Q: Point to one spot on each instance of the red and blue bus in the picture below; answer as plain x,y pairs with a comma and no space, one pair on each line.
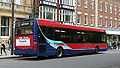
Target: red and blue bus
37,37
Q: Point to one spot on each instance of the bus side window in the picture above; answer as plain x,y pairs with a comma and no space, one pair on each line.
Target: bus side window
69,36
40,35
103,38
50,33
60,34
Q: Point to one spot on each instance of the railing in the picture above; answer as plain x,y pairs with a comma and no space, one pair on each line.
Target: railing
17,7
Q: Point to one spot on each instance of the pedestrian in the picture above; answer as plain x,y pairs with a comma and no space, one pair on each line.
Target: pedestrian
109,45
114,45
118,44
3,48
9,43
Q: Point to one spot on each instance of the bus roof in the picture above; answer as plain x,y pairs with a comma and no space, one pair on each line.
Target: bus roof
56,24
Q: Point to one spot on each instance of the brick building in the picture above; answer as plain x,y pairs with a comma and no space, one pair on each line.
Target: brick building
85,12
103,14
22,10
109,18
98,13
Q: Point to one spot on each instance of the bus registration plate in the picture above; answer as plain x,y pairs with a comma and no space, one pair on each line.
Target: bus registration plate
23,42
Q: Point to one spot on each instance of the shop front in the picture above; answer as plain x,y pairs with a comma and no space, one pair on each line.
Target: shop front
113,38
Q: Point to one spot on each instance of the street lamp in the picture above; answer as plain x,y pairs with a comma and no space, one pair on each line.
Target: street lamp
12,41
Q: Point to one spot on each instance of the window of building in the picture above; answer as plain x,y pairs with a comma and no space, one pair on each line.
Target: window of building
106,8
79,2
101,19
4,26
4,0
92,20
119,23
85,3
67,2
41,12
110,9
115,11
79,18
100,6
47,13
85,19
72,2
18,1
51,0
92,4
115,23
67,16
119,11
110,23
106,22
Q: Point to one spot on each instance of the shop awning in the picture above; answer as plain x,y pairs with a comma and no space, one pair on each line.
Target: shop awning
112,32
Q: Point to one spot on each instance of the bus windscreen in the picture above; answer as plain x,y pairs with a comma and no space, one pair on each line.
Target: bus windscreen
24,27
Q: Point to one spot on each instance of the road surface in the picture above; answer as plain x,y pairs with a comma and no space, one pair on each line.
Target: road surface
109,59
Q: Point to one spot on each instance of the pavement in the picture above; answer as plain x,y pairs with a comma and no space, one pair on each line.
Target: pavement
113,51
8,54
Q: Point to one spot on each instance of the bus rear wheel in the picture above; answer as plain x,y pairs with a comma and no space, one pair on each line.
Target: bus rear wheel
59,52
96,50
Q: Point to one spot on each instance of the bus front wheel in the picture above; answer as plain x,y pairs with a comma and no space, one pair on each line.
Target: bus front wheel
59,52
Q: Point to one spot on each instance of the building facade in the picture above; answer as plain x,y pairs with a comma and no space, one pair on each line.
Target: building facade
103,14
85,12
57,10
23,8
98,13
109,18
36,4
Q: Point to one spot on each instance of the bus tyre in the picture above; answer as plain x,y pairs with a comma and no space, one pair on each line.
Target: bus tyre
59,52
96,50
